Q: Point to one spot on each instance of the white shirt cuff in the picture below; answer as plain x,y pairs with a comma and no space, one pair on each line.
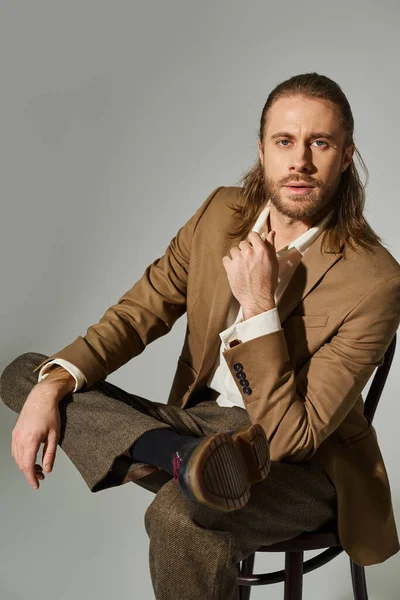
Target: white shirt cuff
266,322
76,373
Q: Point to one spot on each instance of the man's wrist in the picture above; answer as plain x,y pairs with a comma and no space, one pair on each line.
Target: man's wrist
59,381
254,310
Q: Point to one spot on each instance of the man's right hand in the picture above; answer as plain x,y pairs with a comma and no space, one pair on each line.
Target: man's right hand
39,422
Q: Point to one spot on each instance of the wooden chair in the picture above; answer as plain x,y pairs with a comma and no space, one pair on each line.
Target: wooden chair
325,537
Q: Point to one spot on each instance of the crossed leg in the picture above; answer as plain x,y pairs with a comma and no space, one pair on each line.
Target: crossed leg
193,550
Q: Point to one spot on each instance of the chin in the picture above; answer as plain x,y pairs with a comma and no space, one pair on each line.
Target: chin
299,208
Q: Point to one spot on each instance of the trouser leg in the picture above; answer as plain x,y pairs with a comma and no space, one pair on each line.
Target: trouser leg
99,425
194,551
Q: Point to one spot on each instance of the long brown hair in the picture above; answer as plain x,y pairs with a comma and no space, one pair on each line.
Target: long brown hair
347,224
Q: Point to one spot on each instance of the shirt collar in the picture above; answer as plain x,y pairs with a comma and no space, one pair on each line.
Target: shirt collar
303,241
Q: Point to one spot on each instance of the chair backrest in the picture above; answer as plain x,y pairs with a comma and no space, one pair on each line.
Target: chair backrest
379,380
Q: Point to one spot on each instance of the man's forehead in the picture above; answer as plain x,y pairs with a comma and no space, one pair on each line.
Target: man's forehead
301,114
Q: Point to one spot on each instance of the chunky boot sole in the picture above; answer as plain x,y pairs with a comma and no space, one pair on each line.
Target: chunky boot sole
223,467
252,443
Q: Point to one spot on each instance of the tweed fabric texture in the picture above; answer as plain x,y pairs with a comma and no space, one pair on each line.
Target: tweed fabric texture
203,546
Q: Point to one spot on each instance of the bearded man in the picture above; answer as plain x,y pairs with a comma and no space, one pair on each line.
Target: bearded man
291,303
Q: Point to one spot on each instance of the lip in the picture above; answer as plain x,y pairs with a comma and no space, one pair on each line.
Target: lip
299,190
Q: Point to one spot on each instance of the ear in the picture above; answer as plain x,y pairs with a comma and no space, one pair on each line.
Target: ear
260,152
347,157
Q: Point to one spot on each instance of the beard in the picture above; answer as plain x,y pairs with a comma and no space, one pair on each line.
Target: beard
306,207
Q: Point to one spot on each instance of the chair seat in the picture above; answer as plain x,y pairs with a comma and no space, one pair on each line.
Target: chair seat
324,537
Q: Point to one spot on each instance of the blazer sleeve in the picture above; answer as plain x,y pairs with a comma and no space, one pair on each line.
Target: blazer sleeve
298,412
145,312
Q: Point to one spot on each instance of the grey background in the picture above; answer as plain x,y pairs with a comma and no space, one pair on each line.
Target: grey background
117,120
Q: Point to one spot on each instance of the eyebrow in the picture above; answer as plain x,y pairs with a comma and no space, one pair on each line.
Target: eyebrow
314,134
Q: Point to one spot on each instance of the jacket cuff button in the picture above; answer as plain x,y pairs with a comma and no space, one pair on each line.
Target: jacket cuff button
238,367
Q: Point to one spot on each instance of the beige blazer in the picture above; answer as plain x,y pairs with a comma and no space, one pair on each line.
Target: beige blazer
339,313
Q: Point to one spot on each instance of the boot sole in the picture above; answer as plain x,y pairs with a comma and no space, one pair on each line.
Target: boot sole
222,470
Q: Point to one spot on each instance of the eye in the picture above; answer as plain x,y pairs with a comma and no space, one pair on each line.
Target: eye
285,145
322,142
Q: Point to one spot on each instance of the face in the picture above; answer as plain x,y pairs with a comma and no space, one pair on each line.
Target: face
303,155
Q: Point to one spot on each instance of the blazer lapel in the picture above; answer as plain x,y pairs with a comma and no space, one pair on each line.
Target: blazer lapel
308,274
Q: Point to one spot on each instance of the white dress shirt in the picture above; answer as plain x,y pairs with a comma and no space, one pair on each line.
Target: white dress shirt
221,379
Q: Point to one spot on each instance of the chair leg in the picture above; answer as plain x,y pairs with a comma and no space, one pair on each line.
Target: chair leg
294,575
247,569
359,582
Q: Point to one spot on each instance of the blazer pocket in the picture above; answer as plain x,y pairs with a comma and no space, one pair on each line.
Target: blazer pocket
304,335
305,321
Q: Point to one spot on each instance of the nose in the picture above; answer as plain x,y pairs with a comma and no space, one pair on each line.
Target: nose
301,159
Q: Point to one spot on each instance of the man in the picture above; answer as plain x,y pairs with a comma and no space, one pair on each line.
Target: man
291,303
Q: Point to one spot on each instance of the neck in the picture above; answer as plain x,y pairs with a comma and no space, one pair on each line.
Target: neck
286,229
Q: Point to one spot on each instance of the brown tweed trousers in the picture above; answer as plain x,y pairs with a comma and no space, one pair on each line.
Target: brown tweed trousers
194,551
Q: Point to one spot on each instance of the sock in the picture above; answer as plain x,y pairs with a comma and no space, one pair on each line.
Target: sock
158,447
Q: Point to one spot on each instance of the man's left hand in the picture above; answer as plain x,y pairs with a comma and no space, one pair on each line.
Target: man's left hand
252,273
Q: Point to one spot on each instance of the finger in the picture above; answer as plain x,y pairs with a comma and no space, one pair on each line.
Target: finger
253,235
226,260
270,238
49,451
234,250
255,239
29,460
271,235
